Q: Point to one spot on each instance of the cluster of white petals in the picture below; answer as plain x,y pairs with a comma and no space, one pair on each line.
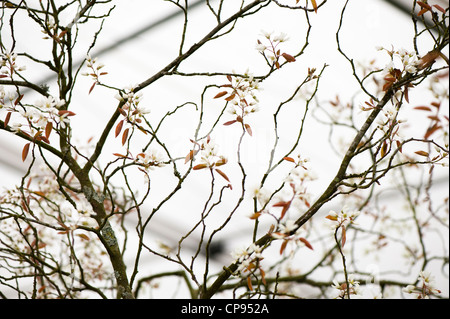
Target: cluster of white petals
8,64
425,287
246,256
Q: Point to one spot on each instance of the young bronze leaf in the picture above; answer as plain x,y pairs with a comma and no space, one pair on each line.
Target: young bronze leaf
8,116
431,130
190,156
223,174
255,215
83,236
423,108
283,246
200,166
422,153
92,87
384,149
229,122
248,129
289,159
230,98
344,236
288,57
25,151
219,95
307,244
249,283
314,3
125,136
119,128
48,129
18,99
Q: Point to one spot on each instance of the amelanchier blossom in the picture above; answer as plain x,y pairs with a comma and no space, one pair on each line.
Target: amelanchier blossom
8,65
351,287
150,159
425,287
246,257
343,217
270,50
242,98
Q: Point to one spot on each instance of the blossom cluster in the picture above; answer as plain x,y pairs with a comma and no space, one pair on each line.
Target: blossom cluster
286,228
150,159
132,110
401,59
342,218
94,73
8,65
351,286
402,62
425,287
270,50
247,257
37,118
49,224
242,98
208,152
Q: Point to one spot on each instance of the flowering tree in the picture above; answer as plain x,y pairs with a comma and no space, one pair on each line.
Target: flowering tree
78,224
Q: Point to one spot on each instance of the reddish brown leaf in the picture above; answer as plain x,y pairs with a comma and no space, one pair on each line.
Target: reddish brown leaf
285,206
289,159
221,161
92,87
248,129
119,155
307,244
219,95
83,236
18,99
25,151
230,98
421,12
249,283
125,136
288,57
344,236
280,204
229,122
384,149
424,5
7,118
223,174
119,128
190,156
255,215
48,129
422,153
283,246
314,3
229,78
431,130
200,166
422,108
439,8
330,217
66,112
436,104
